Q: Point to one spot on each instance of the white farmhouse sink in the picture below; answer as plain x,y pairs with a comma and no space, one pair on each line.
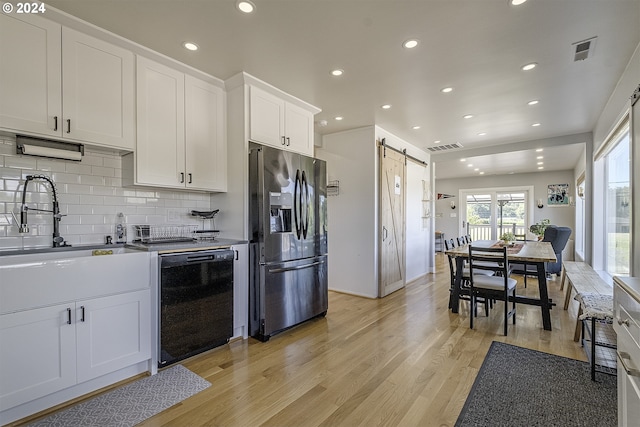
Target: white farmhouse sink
36,280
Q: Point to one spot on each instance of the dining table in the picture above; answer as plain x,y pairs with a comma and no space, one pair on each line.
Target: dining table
524,252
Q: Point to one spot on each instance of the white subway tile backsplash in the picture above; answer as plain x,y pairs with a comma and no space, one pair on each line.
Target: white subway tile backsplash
90,194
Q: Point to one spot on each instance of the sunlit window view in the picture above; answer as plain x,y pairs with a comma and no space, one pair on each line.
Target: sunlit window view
489,216
618,208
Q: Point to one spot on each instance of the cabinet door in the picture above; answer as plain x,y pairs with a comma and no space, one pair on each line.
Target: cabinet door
160,131
298,125
113,332
37,354
30,75
205,137
98,97
241,291
266,118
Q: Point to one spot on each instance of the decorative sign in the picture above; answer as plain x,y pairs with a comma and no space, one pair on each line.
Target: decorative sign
558,195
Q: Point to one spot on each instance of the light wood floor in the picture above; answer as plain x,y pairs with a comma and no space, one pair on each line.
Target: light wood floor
401,360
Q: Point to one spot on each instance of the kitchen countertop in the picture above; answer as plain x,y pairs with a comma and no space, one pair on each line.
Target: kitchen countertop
630,284
195,245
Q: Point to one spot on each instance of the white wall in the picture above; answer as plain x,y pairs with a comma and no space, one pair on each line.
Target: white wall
353,215
564,215
90,193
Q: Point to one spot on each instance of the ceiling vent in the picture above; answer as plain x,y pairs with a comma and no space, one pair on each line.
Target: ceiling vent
444,147
584,49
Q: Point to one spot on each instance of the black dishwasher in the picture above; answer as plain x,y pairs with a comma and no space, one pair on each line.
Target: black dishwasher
196,303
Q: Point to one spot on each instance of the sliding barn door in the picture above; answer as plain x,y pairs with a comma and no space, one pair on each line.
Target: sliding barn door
391,235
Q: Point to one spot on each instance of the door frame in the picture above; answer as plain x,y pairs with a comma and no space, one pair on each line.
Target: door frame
529,191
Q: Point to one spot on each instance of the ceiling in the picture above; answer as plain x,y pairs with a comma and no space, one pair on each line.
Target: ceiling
475,46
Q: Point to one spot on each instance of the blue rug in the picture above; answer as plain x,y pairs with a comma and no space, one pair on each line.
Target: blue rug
520,387
131,404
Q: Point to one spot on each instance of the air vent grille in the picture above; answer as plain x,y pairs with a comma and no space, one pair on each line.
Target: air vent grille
583,49
444,147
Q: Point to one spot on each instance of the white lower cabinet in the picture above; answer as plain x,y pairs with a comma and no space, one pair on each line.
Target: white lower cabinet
112,332
45,350
37,354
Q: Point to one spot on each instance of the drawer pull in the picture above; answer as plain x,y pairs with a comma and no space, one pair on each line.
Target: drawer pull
622,356
624,322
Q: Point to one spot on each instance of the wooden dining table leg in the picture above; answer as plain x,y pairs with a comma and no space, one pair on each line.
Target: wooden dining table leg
545,304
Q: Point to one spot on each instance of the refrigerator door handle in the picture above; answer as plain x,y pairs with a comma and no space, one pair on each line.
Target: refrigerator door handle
297,200
299,267
304,196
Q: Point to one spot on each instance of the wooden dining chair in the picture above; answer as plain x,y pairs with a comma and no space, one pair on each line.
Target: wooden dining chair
490,287
464,285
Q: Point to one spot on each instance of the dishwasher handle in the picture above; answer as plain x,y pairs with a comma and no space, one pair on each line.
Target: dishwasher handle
167,261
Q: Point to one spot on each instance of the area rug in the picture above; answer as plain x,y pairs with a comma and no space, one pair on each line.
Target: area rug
132,403
520,387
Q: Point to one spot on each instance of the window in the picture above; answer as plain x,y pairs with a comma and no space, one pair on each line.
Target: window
613,163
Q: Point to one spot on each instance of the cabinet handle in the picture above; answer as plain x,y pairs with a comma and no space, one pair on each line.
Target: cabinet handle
624,322
288,141
181,177
622,356
284,140
190,179
68,316
237,255
82,313
55,123
68,125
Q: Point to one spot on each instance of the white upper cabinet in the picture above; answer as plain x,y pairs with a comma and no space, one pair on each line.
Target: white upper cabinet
30,75
160,132
276,122
205,137
57,82
181,133
98,97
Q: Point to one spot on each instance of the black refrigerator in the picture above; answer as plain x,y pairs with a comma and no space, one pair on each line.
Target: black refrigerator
288,240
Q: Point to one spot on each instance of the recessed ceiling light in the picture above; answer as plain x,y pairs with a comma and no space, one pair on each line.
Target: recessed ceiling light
540,157
463,160
337,72
469,165
535,125
516,2
476,169
190,46
415,127
386,106
339,118
530,66
467,116
482,134
410,44
437,141
540,163
481,173
540,167
539,150
446,89
245,6
533,102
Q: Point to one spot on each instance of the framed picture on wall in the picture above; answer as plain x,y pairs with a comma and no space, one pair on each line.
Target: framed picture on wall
558,195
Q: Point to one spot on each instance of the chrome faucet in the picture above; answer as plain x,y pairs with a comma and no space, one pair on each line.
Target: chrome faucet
24,226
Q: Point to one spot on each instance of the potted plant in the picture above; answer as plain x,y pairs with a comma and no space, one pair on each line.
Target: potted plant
539,227
507,238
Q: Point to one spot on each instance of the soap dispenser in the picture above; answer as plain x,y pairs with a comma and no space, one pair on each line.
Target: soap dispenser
121,229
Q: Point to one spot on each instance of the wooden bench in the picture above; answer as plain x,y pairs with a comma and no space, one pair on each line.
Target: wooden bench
584,280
